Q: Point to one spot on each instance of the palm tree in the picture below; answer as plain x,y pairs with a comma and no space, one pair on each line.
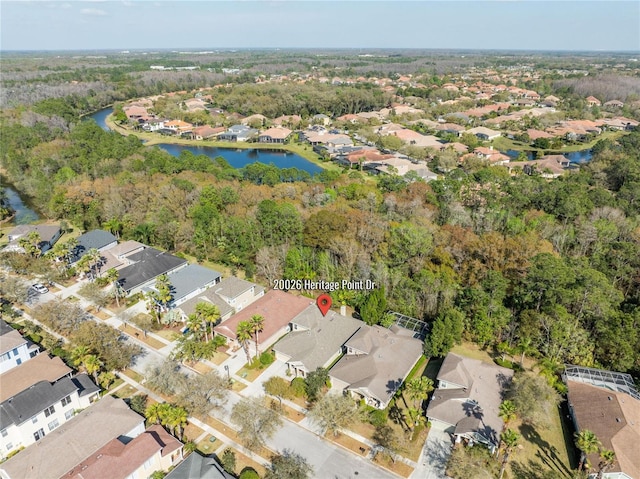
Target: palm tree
588,443
112,276
527,347
418,390
607,458
257,325
507,411
78,354
114,225
509,439
177,419
153,412
415,418
163,287
92,364
209,314
244,332
93,258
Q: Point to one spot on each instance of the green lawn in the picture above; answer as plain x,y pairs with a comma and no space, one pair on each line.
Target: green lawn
543,450
502,143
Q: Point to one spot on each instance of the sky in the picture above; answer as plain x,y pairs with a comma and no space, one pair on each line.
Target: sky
585,25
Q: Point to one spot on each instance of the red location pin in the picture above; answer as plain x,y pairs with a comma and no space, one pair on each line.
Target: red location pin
324,303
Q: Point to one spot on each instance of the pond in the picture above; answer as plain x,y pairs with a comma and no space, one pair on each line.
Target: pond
582,156
236,157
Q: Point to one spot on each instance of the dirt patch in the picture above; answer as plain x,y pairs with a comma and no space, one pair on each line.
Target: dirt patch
139,335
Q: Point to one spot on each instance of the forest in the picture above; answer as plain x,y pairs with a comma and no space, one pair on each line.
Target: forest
512,262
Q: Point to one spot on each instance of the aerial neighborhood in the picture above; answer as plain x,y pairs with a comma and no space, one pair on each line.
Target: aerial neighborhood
433,275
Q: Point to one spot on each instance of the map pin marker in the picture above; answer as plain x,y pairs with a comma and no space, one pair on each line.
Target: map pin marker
324,303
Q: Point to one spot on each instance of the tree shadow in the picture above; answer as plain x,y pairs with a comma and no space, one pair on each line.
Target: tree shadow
547,453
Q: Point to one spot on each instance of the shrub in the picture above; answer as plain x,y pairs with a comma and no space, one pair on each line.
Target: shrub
267,358
299,387
378,417
249,473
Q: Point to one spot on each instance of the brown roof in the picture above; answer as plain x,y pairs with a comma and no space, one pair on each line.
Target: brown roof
73,441
11,340
614,417
278,133
39,368
276,307
366,156
117,460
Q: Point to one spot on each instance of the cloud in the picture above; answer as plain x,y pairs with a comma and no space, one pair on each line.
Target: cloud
95,12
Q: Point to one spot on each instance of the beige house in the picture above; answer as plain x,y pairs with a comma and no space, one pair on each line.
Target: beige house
467,400
74,441
153,450
376,362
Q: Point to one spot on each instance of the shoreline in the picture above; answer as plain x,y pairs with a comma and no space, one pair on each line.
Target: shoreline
154,139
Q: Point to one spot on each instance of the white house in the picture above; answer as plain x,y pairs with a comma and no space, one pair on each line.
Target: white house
38,410
14,349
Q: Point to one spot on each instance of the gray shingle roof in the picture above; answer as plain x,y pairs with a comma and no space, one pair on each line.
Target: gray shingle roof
97,239
147,265
472,408
208,296
381,370
321,338
74,441
233,287
197,467
85,385
33,400
190,278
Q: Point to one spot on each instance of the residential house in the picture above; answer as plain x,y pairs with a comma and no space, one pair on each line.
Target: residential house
607,403
145,266
593,101
467,400
484,133
551,166
321,119
98,239
75,440
402,166
238,133
363,157
116,256
153,124
178,126
455,146
238,293
451,128
206,132
614,104
14,349
153,450
493,156
315,341
254,120
190,281
376,363
275,135
229,295
196,466
278,309
31,414
41,368
291,121
49,235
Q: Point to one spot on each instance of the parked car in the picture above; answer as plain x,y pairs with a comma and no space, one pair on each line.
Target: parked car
40,288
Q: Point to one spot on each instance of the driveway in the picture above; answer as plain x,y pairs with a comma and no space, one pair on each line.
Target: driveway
435,455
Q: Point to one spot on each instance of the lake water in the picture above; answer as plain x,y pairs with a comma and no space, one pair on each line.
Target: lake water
24,214
237,158
582,156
